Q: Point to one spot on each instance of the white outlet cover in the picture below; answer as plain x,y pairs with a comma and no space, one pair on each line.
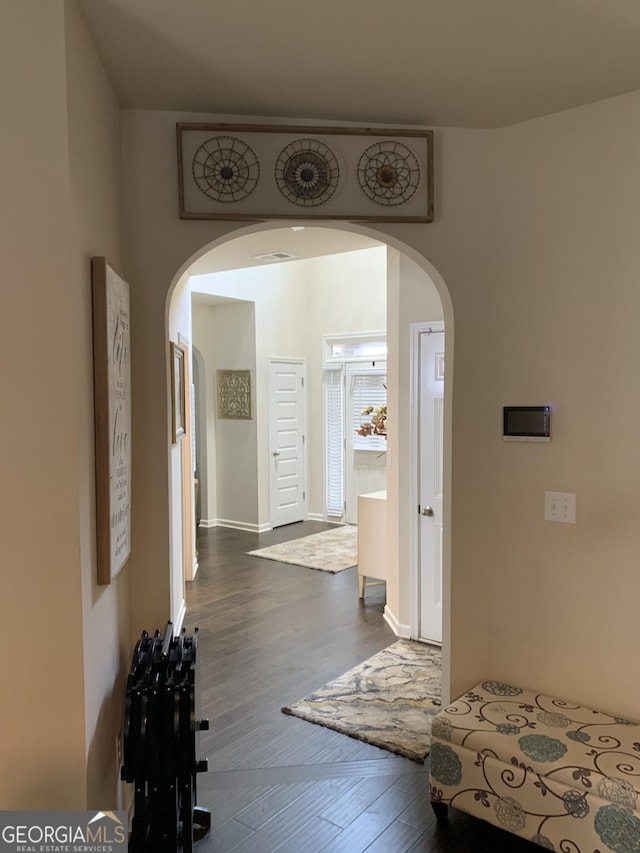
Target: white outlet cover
560,507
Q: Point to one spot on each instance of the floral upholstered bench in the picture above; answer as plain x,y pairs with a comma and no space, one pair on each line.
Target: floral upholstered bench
556,773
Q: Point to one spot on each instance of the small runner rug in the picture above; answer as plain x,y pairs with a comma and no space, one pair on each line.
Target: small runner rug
330,551
388,701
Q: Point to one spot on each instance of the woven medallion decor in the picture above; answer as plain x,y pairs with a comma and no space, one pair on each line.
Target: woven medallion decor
249,171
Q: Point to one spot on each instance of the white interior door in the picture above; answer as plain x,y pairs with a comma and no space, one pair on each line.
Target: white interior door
431,418
365,458
287,408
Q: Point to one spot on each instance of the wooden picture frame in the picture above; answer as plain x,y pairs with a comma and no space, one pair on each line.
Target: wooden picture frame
234,394
178,422
112,411
270,171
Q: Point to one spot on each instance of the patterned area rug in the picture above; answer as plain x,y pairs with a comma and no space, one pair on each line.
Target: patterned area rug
330,551
388,701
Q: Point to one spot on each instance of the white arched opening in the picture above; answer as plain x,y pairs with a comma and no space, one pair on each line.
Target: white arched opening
408,275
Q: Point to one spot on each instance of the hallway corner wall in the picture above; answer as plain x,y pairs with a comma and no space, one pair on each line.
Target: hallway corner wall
93,117
69,635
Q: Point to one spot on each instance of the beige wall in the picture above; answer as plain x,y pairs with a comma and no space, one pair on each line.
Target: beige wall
563,329
419,302
535,237
412,298
226,337
347,294
179,324
295,305
203,317
42,750
506,201
159,246
94,180
60,177
278,301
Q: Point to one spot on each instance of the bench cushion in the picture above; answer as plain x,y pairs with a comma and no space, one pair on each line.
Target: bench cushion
544,768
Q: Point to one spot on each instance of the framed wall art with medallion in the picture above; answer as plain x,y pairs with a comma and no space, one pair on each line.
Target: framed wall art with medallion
251,171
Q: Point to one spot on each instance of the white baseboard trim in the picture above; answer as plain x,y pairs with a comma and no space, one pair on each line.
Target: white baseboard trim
399,630
323,516
241,525
262,528
182,612
194,570
329,519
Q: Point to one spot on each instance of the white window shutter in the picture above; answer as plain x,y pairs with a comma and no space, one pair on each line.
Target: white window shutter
368,390
334,442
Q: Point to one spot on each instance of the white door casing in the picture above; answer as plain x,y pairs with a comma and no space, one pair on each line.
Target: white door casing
287,424
430,481
365,470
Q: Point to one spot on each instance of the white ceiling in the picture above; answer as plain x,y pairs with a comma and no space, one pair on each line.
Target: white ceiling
313,242
467,63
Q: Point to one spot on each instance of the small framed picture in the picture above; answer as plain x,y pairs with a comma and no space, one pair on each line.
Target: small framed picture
177,392
234,394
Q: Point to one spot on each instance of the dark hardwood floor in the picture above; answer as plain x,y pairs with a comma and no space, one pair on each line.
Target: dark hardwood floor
269,633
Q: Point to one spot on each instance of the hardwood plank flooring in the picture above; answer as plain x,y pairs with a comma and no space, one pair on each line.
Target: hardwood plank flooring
269,633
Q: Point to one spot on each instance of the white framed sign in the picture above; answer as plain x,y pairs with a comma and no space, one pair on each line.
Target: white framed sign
112,406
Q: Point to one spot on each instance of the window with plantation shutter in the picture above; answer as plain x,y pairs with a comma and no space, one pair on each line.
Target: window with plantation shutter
368,390
334,441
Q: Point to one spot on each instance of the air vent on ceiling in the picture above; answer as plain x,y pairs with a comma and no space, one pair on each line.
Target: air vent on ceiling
274,256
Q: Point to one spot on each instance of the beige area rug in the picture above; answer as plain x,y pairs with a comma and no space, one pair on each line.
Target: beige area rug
388,701
330,551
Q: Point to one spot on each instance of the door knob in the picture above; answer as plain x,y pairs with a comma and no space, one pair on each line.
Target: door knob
276,453
426,510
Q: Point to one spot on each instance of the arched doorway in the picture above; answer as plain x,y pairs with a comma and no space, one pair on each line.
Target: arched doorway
409,275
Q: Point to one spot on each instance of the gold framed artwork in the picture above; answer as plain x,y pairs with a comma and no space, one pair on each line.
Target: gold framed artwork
178,397
267,171
112,410
234,394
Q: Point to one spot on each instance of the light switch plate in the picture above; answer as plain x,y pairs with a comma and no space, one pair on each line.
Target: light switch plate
560,506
